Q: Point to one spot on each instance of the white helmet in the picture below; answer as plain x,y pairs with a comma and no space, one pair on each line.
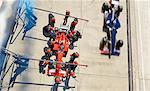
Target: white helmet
115,2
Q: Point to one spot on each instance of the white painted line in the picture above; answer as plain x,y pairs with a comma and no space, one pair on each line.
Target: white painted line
1,2
3,23
140,47
137,84
3,18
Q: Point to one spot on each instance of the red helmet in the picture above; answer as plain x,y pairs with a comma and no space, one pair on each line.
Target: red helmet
71,73
53,20
75,23
73,31
57,80
75,62
49,50
51,28
76,54
46,61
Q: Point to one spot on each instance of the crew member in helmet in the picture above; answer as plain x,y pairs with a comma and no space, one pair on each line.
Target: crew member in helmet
51,20
72,69
105,7
73,36
73,57
105,10
118,11
115,7
66,17
112,7
44,62
73,24
47,52
72,64
48,31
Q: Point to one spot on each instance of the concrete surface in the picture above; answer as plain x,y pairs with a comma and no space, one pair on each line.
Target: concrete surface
103,74
140,31
7,22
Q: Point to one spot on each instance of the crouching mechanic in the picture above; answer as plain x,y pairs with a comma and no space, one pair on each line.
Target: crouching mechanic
66,17
73,36
73,24
72,64
45,59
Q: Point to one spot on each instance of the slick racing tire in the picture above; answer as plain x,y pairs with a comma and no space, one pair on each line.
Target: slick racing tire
102,43
119,44
46,33
105,7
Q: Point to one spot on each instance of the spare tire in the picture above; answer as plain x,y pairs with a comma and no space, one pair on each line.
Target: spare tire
119,44
46,31
102,43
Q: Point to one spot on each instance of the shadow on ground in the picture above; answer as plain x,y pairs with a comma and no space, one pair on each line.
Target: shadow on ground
21,66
